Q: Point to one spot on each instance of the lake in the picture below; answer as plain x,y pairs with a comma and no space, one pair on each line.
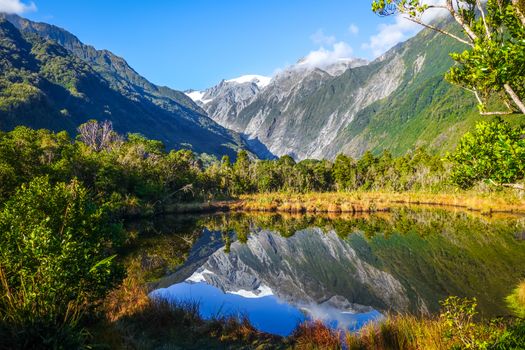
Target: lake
278,270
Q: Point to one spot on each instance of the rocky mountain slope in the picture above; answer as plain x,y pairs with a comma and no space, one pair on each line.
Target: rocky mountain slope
398,102
224,101
49,79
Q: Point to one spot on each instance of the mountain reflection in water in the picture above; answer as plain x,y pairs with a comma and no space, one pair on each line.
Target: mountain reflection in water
280,270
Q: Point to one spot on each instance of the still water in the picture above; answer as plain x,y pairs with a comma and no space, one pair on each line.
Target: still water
280,270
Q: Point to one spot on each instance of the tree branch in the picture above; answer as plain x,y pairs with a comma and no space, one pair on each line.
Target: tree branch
515,186
480,8
515,98
439,30
482,104
461,21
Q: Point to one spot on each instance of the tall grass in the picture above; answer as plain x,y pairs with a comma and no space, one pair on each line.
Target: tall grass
27,322
355,202
516,301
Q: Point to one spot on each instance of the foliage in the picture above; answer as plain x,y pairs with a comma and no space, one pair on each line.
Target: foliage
495,151
55,259
497,60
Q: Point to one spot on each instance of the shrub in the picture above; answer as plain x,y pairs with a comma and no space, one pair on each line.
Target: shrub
55,262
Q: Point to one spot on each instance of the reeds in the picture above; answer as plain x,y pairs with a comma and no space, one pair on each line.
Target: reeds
28,322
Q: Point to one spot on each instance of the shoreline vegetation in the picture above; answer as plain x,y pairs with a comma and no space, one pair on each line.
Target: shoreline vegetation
365,202
508,202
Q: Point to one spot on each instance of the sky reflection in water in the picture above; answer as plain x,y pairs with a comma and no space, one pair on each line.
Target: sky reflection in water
267,313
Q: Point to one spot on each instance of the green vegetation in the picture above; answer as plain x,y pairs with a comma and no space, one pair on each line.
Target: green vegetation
516,300
62,200
55,263
494,152
49,79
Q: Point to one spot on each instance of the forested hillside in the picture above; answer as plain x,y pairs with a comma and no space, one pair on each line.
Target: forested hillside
46,85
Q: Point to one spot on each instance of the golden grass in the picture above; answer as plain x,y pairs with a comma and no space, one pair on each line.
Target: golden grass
520,291
356,202
401,332
516,300
315,335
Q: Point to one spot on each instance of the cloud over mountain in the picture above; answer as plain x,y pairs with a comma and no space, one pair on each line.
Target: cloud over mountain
16,6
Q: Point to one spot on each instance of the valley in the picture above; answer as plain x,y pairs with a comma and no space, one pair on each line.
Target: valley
336,202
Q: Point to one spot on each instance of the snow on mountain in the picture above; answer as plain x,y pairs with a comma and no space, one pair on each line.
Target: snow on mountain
195,95
260,80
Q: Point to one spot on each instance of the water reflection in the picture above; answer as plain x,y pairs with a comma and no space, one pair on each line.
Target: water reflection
347,270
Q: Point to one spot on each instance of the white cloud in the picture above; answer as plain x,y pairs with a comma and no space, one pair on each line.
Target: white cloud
16,6
353,29
324,57
391,34
400,30
320,38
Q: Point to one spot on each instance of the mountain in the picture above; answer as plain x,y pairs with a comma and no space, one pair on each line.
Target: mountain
397,102
244,104
50,79
229,97
224,101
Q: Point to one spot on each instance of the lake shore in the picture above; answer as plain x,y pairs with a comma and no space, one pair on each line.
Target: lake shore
363,202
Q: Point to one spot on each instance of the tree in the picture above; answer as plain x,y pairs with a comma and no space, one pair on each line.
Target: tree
241,171
494,63
344,172
98,136
495,151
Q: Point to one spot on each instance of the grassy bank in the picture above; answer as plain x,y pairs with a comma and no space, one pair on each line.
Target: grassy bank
356,202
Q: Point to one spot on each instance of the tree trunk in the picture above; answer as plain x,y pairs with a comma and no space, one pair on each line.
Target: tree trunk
519,11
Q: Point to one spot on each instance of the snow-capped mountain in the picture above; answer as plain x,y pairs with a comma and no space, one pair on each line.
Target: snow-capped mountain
260,80
224,101
314,111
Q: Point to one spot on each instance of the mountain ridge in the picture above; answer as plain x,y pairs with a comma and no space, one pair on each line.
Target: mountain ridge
56,87
398,102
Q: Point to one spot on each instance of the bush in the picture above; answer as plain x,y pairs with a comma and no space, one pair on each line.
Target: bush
55,262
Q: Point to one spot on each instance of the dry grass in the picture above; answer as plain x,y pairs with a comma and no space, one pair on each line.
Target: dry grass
315,335
356,202
399,333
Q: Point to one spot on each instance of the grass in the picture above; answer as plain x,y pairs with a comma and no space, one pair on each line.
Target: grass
358,202
516,301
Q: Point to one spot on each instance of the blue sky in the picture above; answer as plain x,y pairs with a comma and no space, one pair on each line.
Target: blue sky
196,43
